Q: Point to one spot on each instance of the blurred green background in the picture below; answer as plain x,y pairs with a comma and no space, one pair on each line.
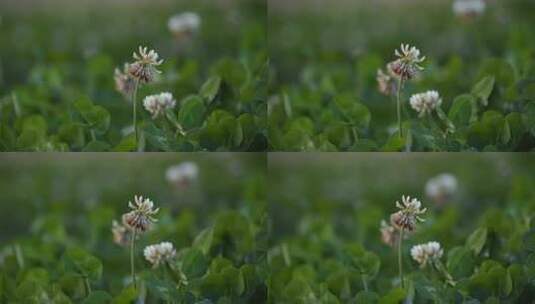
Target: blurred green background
84,192
352,192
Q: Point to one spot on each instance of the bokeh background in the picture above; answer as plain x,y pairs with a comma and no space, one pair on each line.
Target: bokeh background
69,191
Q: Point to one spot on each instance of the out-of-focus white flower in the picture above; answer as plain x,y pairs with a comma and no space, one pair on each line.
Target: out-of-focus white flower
425,103
386,81
408,63
184,24
469,8
441,187
141,216
144,66
426,253
159,253
408,215
124,83
158,104
183,174
121,235
388,234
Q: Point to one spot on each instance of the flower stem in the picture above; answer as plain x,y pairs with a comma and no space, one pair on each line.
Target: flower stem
87,286
134,109
398,99
132,249
364,283
400,264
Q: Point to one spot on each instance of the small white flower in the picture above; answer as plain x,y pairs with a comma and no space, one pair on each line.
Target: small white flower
144,66
386,81
425,253
441,187
158,104
183,174
408,215
408,63
159,253
469,8
425,103
121,235
140,218
388,234
124,83
185,23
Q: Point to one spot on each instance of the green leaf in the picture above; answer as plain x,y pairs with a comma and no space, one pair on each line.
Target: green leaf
354,112
394,296
97,117
98,297
461,110
192,111
460,262
210,88
483,89
203,241
83,263
367,297
96,146
477,240
194,263
127,144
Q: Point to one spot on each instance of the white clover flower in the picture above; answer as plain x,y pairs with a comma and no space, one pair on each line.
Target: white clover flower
144,66
185,23
469,8
121,235
158,104
426,253
408,63
159,253
441,187
124,83
183,174
425,103
140,218
407,217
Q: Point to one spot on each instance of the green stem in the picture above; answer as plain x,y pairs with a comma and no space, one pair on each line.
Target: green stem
132,249
364,283
398,99
134,109
442,269
400,264
87,286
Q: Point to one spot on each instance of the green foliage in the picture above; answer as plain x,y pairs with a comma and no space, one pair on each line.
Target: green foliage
217,223
328,245
62,97
327,75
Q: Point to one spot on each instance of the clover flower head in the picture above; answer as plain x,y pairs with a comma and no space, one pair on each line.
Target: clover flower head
408,215
425,103
121,235
388,234
469,8
159,253
124,83
386,82
184,23
426,253
182,174
441,187
407,65
144,66
140,218
159,103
